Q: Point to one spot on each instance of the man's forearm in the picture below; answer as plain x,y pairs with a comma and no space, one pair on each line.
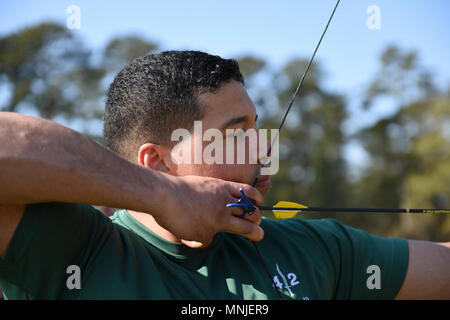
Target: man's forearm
42,161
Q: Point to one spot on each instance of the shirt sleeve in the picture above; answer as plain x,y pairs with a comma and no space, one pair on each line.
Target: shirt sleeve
49,238
365,266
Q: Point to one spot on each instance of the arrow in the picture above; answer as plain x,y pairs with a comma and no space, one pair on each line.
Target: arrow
287,209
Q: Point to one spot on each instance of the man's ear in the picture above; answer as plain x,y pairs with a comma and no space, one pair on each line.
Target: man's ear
156,157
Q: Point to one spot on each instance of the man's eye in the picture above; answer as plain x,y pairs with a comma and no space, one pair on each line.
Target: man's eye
235,133
239,133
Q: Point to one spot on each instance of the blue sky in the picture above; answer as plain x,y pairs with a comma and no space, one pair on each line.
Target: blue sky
274,30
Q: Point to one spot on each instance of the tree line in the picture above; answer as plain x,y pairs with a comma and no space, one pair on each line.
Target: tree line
48,69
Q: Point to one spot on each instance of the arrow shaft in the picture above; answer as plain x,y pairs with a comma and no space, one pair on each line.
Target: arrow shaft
378,210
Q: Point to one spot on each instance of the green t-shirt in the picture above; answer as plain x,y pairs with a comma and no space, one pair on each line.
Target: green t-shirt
119,258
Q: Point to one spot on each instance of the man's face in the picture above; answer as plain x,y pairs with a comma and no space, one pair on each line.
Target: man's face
228,108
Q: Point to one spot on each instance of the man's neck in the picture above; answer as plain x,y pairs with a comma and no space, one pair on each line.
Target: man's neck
150,223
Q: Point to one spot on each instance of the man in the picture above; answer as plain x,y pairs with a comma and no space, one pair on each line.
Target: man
144,253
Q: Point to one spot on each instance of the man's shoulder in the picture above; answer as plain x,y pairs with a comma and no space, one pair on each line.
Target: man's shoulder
296,225
56,208
50,237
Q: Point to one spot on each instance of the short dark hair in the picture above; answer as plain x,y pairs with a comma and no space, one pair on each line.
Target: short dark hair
157,93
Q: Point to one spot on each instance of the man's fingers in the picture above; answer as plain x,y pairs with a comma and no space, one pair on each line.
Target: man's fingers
249,191
245,228
255,217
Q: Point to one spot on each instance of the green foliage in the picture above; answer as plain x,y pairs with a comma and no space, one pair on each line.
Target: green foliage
250,66
122,50
399,76
312,167
409,151
47,68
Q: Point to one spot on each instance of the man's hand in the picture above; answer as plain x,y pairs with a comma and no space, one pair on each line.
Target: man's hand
195,210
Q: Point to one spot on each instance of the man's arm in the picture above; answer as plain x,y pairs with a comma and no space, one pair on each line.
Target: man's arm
42,161
428,275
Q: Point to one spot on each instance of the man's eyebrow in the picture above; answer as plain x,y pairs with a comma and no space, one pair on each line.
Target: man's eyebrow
236,120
